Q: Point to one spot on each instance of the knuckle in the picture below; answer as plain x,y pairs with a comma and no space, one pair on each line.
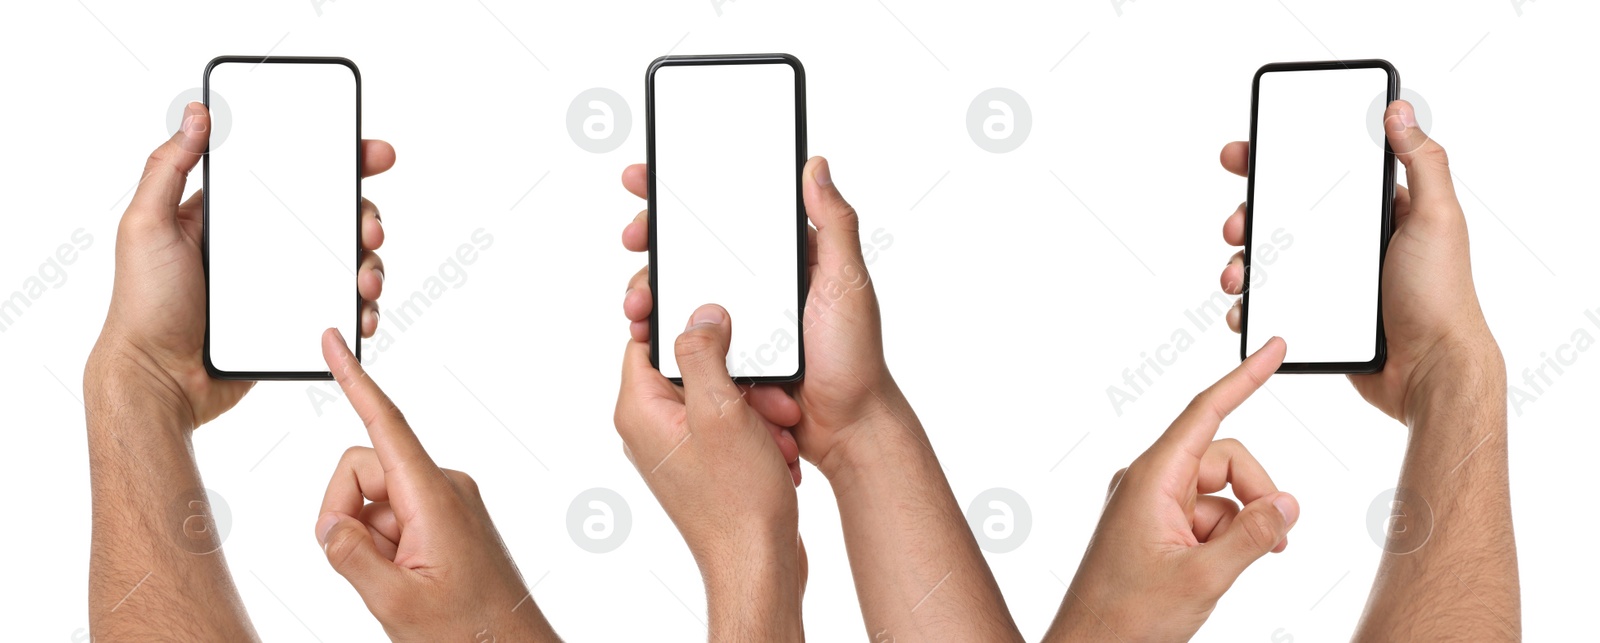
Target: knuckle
848,218
693,343
1258,530
465,482
343,544
1116,480
354,454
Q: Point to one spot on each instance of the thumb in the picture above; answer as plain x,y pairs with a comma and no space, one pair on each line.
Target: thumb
838,228
168,167
1427,166
702,352
352,553
1259,528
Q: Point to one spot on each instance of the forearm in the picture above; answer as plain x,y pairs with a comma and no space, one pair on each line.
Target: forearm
918,571
156,569
753,590
1454,576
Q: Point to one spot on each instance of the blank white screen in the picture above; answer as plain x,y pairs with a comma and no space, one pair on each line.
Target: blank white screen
726,193
1318,180
283,213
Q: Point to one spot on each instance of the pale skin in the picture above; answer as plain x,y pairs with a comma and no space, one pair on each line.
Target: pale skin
155,570
918,571
1445,381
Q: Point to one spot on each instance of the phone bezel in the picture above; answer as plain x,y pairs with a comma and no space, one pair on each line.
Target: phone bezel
800,209
1380,350
205,217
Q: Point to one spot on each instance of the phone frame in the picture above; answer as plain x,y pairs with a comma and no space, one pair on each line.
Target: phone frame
1380,351
801,220
205,217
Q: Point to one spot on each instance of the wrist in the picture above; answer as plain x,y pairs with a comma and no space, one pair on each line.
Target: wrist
1467,377
753,590
118,378
888,426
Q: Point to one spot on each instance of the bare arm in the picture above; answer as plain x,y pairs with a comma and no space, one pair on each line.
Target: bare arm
1449,568
919,573
156,569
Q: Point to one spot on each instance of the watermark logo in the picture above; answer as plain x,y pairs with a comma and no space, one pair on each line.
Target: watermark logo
221,116
598,120
598,520
999,120
1400,521
1000,520
202,520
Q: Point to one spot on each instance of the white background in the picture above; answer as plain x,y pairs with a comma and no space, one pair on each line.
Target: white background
283,215
1010,304
725,204
1319,181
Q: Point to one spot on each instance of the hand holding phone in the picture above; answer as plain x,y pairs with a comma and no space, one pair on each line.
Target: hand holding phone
1434,325
158,302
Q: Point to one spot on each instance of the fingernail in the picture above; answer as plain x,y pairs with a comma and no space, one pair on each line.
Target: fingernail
380,275
324,525
1287,509
188,123
1408,116
821,175
706,315
193,125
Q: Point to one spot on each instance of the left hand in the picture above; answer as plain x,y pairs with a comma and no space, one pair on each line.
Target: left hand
157,319
1165,551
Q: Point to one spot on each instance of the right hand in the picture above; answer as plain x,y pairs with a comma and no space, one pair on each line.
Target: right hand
1434,326
1165,550
423,553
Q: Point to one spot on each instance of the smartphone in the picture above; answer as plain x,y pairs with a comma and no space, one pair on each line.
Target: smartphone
725,144
282,214
1319,214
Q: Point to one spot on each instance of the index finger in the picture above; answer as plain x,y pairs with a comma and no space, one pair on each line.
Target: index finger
397,446
1194,429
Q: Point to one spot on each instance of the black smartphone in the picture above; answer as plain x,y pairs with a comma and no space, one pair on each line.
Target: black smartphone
1319,214
282,214
725,144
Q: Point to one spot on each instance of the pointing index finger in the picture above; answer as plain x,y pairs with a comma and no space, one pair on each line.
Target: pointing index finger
396,444
1194,429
